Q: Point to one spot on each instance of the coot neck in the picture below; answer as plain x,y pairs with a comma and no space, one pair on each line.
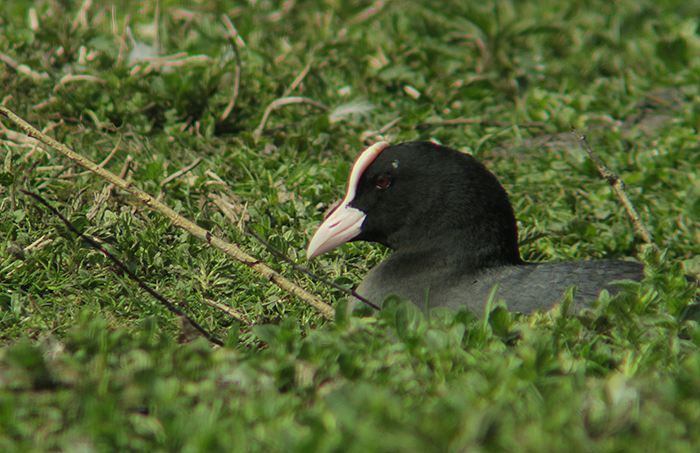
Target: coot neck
461,249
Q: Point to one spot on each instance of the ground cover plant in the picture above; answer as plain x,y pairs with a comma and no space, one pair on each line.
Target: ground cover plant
247,115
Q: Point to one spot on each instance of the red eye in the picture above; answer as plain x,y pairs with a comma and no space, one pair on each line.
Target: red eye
382,182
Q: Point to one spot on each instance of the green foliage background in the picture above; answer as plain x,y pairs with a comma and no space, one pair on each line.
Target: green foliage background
89,362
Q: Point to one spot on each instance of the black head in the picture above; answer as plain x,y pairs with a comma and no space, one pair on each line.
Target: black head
420,196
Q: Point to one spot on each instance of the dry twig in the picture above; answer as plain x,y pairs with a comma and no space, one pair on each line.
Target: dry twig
306,271
228,310
297,81
619,187
122,267
181,172
376,134
281,102
237,43
178,221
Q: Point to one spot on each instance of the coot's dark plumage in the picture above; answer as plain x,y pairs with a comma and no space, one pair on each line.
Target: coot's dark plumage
453,232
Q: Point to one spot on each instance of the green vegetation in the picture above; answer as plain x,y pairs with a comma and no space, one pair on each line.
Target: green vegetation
90,362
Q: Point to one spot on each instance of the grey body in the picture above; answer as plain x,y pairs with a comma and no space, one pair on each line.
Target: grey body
454,235
525,287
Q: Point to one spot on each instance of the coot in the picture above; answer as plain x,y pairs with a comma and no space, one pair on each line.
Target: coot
453,234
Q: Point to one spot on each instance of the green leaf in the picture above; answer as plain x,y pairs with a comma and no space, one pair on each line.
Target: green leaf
410,322
267,333
674,53
6,179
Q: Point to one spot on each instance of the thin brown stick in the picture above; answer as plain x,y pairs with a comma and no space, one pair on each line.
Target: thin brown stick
178,221
619,187
104,162
125,168
371,134
454,122
237,43
297,81
228,310
366,14
23,68
156,20
122,267
233,33
81,18
461,121
179,173
72,78
101,164
8,169
306,271
534,124
103,196
281,102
